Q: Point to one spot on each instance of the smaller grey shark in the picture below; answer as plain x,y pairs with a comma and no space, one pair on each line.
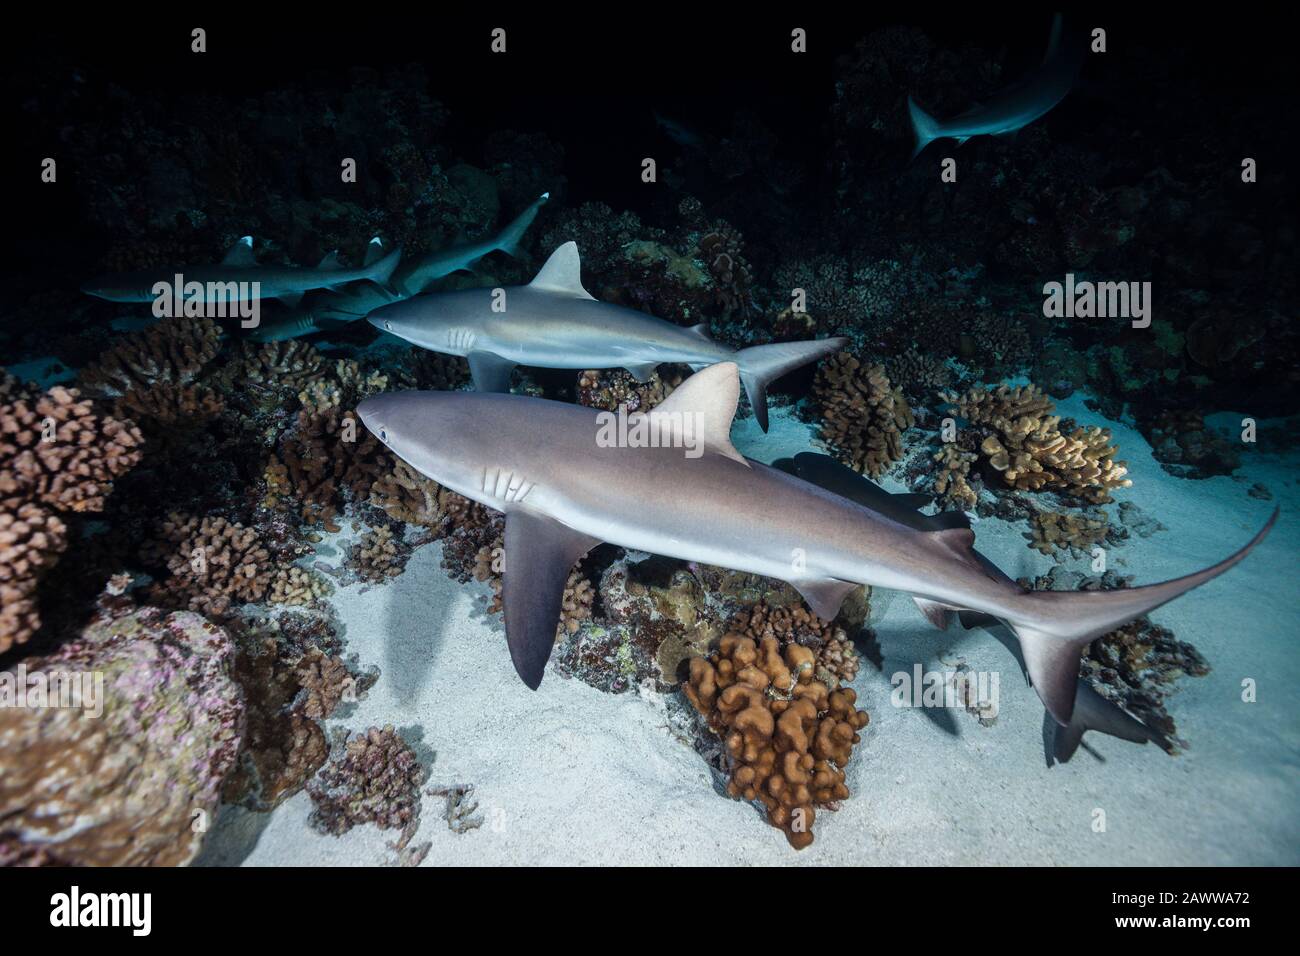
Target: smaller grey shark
230,280
565,483
359,299
553,322
1015,107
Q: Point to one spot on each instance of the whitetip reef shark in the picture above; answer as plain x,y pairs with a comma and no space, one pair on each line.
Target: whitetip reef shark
335,309
553,322
237,271
563,490
1015,107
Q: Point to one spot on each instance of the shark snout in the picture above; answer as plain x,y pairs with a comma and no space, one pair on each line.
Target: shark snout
371,411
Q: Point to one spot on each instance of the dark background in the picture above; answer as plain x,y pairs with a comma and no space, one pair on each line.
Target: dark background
589,79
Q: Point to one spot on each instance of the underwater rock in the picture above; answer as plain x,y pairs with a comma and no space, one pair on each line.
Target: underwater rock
139,785
1185,446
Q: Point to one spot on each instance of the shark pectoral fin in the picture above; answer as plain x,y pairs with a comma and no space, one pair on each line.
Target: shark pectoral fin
824,595
240,254
562,273
643,373
491,373
940,615
705,402
539,553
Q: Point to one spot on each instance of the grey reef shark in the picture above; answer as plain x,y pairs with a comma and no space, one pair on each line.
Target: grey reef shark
335,309
231,280
553,322
1013,108
564,487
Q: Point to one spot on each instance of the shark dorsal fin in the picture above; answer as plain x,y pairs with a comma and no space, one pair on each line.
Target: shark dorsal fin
562,273
706,402
241,253
331,261
374,251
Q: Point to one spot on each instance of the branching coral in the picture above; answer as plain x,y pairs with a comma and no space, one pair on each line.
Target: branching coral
612,388
373,777
863,415
921,377
1025,443
214,564
57,455
173,351
407,496
1052,532
326,457
788,736
378,555
951,482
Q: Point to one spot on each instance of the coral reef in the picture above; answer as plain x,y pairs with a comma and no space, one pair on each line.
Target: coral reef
863,415
372,777
1185,446
614,388
1033,450
214,564
1054,532
460,806
378,555
325,460
132,787
58,456
952,479
788,736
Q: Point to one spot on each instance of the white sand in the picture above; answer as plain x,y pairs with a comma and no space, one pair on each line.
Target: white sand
570,775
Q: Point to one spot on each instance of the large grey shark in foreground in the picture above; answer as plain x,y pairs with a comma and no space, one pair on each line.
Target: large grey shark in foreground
565,487
1013,108
553,322
238,270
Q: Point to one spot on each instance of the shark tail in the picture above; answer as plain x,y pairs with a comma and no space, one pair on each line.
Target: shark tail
763,364
925,126
381,270
512,235
1055,626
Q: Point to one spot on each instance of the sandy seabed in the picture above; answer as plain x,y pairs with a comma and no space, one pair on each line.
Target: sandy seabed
571,775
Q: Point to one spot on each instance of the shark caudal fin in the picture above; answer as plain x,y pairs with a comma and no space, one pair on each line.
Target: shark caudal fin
1055,626
763,364
380,271
511,236
925,126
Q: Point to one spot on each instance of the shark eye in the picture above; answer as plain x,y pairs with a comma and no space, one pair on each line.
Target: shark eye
383,434
388,325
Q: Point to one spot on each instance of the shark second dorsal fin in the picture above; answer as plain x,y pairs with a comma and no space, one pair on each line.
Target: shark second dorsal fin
562,273
705,402
240,254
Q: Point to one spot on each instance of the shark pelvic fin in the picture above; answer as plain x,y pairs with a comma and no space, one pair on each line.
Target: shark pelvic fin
240,254
824,595
643,373
940,615
701,330
707,403
491,373
539,553
562,273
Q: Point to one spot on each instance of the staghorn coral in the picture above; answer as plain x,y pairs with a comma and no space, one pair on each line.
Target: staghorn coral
57,456
372,777
128,788
863,415
214,564
1052,532
788,736
1025,443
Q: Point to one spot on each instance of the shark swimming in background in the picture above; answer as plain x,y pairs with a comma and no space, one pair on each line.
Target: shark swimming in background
564,487
553,322
1015,107
359,299
228,280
